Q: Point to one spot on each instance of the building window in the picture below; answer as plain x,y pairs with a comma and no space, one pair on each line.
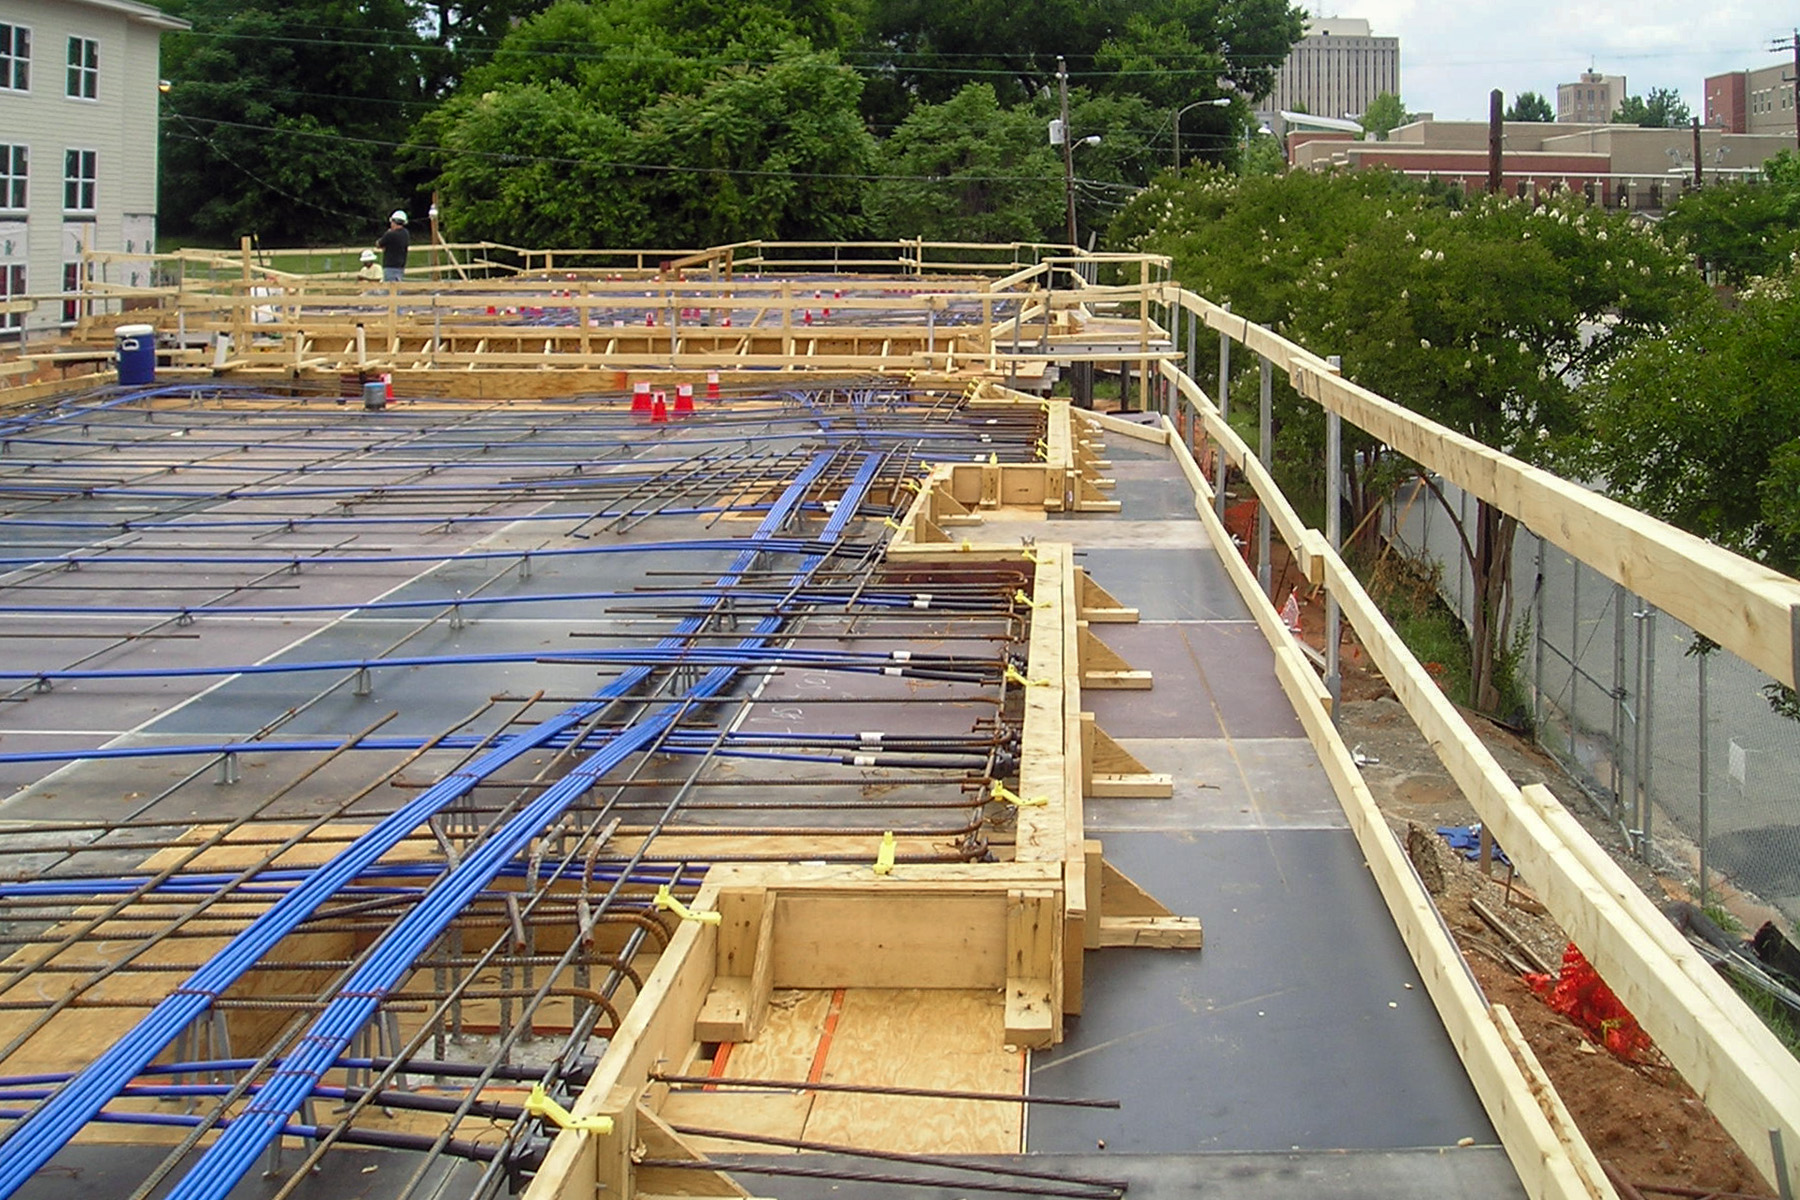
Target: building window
12,283
84,69
71,284
78,181
13,163
15,58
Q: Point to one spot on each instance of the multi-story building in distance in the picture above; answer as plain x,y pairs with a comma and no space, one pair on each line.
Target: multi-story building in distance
1590,100
1760,101
78,110
1336,69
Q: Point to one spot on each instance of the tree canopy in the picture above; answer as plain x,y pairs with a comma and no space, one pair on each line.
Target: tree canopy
1384,115
282,121
1701,427
1529,106
1661,108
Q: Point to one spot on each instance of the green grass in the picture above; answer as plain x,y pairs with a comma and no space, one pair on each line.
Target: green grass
1772,1013
1406,591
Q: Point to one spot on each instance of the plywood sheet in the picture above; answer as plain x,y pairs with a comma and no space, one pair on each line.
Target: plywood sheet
926,1039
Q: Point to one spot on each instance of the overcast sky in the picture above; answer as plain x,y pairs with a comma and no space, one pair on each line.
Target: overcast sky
1452,54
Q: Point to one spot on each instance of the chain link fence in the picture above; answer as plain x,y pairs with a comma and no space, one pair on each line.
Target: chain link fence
1682,749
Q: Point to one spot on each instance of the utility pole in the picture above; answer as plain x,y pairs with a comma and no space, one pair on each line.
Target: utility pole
1496,134
1697,179
1794,45
1062,87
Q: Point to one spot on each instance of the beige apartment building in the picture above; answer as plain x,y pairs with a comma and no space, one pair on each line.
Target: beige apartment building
78,113
1590,100
1335,70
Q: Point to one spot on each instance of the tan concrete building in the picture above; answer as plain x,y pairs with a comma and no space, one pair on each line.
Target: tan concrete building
1592,99
1615,165
1336,69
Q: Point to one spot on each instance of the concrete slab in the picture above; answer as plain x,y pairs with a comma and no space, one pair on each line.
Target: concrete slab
1470,1173
1301,1024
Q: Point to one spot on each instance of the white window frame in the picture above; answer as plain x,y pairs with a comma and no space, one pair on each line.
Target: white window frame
15,65
15,177
86,185
82,79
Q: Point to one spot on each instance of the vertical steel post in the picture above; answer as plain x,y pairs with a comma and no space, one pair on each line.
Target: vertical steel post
1334,489
1224,412
1646,728
1619,694
1265,449
1704,789
1537,640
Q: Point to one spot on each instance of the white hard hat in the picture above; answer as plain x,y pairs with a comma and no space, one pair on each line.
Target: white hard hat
368,256
399,214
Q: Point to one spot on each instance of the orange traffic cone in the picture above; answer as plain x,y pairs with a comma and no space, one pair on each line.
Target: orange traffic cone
659,412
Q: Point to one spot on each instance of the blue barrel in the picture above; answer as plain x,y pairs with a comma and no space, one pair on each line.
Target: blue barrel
137,353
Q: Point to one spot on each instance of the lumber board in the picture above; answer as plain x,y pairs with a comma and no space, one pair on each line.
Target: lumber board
1747,608
1159,933
890,937
1726,1055
1104,669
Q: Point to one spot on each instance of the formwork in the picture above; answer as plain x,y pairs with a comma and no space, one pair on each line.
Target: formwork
562,783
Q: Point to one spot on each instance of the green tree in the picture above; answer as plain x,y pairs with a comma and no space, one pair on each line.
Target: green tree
1701,427
1483,318
1739,229
260,103
933,48
1529,106
776,152
1384,115
1662,108
968,169
536,165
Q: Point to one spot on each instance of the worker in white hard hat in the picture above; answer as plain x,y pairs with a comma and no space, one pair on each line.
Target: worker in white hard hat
371,268
393,246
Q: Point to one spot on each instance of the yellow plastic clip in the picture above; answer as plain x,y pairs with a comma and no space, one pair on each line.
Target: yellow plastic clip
892,524
539,1104
884,857
993,459
665,899
1012,676
1001,792
966,545
1020,597
1031,555
1043,448
913,485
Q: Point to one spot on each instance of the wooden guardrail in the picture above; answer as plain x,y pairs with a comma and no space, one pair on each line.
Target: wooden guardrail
1746,1077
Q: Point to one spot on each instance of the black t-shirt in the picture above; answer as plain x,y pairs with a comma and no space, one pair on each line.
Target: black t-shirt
393,245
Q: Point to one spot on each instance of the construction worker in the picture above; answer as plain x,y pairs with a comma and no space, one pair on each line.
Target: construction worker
393,246
370,272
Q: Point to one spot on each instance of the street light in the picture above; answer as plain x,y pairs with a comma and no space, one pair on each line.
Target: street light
1217,102
1249,133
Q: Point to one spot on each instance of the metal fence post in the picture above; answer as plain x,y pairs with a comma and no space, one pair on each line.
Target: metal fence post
1618,697
1646,728
1265,450
1334,486
1537,641
1224,412
1704,791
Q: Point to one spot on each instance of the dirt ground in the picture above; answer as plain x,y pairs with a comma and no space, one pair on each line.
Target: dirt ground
1640,1118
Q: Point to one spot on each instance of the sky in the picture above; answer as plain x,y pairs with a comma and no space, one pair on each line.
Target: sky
1452,54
